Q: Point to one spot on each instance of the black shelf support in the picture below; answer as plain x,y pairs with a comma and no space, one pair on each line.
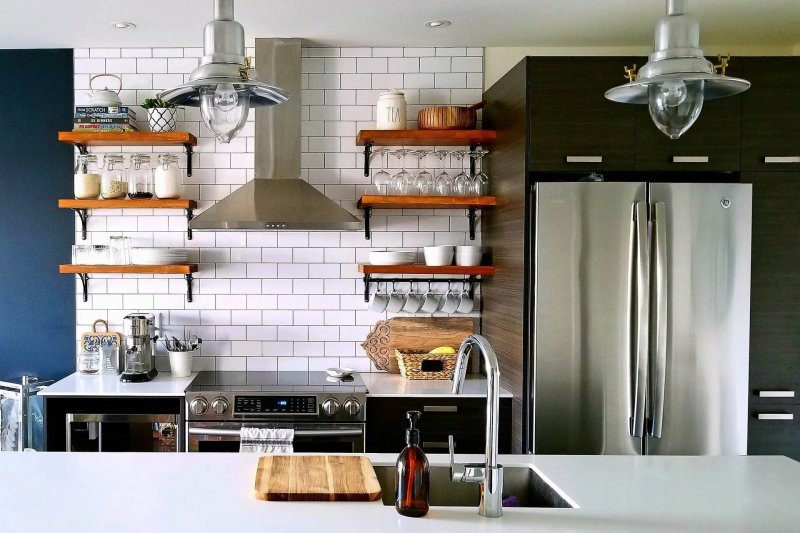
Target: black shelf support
85,282
367,156
189,279
189,217
471,280
471,215
81,148
472,148
367,216
189,151
83,214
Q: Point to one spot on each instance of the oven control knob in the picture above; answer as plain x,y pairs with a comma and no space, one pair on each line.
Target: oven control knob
352,406
219,406
199,405
330,406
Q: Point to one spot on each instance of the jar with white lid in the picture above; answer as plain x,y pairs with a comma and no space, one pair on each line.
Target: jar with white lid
87,178
168,177
391,114
114,184
140,177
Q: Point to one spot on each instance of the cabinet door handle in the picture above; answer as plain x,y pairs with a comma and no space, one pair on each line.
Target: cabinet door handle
690,159
775,416
778,160
584,159
440,408
776,394
434,444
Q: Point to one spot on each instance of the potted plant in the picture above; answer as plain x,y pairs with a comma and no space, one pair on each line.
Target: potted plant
161,115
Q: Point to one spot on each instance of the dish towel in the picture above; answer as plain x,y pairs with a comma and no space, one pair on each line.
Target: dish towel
266,440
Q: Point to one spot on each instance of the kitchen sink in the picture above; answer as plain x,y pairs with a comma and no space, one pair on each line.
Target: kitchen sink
522,482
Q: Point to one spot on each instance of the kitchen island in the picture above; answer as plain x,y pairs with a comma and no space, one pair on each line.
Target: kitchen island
212,492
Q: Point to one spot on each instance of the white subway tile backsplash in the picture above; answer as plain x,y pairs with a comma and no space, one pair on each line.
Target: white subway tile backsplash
275,300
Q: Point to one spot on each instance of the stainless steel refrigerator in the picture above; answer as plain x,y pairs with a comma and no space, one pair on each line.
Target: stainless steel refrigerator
639,318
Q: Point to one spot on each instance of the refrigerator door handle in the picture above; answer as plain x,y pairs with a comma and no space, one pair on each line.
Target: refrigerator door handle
640,295
659,320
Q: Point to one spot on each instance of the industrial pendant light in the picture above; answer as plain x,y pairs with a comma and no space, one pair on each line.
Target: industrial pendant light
225,85
677,79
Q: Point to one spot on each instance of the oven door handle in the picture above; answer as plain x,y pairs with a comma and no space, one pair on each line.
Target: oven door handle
297,433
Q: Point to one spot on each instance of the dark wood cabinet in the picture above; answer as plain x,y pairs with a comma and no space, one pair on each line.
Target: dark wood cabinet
774,430
771,114
573,127
712,144
464,418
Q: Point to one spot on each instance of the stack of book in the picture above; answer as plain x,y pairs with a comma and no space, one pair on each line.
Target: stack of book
98,118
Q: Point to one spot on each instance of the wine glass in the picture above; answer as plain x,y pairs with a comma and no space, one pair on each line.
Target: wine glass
382,179
480,181
402,181
461,183
424,181
443,184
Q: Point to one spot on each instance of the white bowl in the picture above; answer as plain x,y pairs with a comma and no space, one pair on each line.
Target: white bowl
469,255
398,257
439,255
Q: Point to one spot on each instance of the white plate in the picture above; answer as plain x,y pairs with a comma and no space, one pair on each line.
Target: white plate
392,258
340,372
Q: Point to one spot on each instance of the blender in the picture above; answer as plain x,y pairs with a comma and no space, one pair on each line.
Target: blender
140,342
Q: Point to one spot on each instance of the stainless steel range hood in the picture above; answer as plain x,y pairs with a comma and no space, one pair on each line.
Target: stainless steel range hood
277,198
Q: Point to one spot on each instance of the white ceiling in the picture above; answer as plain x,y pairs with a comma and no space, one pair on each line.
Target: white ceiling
550,23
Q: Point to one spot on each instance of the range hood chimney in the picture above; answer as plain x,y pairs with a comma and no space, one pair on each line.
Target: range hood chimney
277,198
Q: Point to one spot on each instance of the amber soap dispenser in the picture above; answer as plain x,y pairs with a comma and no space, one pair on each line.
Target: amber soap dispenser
412,476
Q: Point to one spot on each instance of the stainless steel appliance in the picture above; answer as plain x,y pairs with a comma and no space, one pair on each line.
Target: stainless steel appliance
636,318
326,414
140,346
123,432
21,420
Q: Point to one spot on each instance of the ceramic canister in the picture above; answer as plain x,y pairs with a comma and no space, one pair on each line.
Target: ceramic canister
391,110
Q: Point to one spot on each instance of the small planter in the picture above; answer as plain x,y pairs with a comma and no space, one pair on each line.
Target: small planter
162,119
180,364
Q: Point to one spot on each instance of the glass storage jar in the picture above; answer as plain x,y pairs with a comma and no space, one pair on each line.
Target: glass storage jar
87,178
168,177
140,177
114,183
88,362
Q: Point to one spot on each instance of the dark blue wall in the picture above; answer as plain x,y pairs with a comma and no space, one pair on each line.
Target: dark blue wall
37,304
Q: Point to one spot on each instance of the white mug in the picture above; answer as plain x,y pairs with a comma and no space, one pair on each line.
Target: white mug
449,302
379,301
396,301
413,301
430,302
465,303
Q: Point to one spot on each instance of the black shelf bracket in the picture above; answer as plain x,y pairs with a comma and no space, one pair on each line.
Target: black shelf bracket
189,279
81,148
472,148
471,280
471,215
189,151
85,282
367,156
367,216
83,214
189,217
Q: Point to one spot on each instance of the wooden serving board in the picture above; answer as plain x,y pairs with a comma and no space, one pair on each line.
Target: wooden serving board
413,334
92,341
287,478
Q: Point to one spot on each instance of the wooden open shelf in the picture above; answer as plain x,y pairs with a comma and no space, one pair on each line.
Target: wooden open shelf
155,203
83,272
425,269
376,201
425,137
127,138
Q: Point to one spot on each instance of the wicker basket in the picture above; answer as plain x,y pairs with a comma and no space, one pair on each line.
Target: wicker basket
425,365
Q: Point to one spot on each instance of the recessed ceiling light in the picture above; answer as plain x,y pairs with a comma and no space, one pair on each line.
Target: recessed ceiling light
437,23
122,25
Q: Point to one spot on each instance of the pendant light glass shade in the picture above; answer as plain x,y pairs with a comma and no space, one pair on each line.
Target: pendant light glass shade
677,79
225,86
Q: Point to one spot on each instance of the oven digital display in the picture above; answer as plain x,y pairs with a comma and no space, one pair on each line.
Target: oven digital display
275,405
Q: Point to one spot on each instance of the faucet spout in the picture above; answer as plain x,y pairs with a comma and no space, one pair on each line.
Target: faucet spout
491,478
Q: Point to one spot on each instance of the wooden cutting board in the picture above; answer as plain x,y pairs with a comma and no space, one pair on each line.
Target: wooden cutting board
412,334
287,478
91,342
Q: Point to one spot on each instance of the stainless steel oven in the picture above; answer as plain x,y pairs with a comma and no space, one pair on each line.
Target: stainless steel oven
308,438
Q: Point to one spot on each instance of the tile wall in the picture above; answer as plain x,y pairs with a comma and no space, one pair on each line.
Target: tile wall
274,300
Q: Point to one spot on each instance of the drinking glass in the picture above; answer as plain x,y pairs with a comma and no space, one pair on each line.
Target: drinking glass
462,182
402,181
442,185
480,181
382,179
120,250
424,181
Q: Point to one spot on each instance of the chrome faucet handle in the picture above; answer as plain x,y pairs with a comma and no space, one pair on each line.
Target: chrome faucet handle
456,470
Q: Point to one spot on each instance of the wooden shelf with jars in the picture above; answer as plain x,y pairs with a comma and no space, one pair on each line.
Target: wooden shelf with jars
83,271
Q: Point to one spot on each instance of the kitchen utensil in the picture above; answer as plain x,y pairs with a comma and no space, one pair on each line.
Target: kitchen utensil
104,97
449,117
92,341
88,362
180,363
396,301
468,255
449,302
392,257
316,478
412,333
379,301
339,373
140,337
439,255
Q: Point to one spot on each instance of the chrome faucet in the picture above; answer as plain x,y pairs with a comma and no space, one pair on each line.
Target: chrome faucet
490,474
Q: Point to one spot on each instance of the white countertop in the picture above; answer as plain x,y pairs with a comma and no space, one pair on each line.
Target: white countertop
212,492
382,384
109,385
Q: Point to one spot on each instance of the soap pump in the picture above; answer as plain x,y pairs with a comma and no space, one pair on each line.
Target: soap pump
412,476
